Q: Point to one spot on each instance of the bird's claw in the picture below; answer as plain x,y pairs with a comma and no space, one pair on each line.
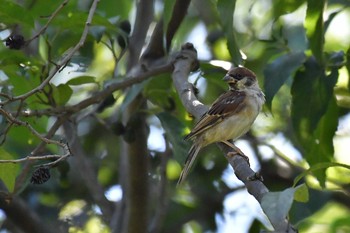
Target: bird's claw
239,153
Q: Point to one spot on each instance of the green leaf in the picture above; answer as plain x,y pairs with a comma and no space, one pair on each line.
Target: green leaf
43,48
330,18
131,95
226,9
112,8
301,193
315,27
175,130
276,205
168,12
97,32
81,80
315,114
14,14
321,147
8,171
62,93
158,91
311,92
277,72
281,7
316,167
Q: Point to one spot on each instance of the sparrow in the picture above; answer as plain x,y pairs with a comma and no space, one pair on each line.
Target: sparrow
229,117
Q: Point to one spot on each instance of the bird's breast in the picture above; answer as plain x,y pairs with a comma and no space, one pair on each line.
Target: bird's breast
234,126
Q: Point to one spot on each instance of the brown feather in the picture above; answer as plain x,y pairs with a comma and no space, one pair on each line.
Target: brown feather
229,103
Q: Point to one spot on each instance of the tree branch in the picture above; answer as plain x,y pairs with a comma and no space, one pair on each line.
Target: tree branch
21,214
52,16
134,173
182,67
65,60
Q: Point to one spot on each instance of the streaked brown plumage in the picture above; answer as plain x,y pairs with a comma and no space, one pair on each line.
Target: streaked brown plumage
230,116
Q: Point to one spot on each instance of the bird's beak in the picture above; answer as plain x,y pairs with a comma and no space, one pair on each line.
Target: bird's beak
227,78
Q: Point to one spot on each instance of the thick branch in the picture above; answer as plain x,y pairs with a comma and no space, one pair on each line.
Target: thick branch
134,176
107,91
182,67
21,214
179,13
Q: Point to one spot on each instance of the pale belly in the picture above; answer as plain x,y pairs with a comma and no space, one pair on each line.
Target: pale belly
231,128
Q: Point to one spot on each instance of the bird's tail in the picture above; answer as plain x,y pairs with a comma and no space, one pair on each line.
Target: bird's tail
191,157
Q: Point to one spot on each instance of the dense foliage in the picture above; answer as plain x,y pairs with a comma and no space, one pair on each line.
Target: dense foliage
92,126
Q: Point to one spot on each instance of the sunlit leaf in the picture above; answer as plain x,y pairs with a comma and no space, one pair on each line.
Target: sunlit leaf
173,170
315,27
301,193
226,9
81,80
8,171
167,12
316,167
62,93
277,72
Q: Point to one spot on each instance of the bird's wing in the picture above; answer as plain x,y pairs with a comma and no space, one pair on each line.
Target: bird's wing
228,104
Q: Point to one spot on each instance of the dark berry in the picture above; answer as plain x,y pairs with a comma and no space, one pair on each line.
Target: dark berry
40,175
122,41
15,42
125,26
107,102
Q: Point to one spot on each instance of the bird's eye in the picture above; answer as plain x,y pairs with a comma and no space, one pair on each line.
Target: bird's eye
238,76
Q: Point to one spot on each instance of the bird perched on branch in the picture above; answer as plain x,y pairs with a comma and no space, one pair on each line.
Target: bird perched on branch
230,116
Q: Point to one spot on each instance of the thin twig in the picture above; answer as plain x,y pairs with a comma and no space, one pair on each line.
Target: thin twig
99,96
16,121
63,62
44,157
52,16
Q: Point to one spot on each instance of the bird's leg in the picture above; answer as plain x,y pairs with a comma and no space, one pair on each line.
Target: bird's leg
237,151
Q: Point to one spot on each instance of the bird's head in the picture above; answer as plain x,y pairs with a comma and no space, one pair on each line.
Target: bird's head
239,78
